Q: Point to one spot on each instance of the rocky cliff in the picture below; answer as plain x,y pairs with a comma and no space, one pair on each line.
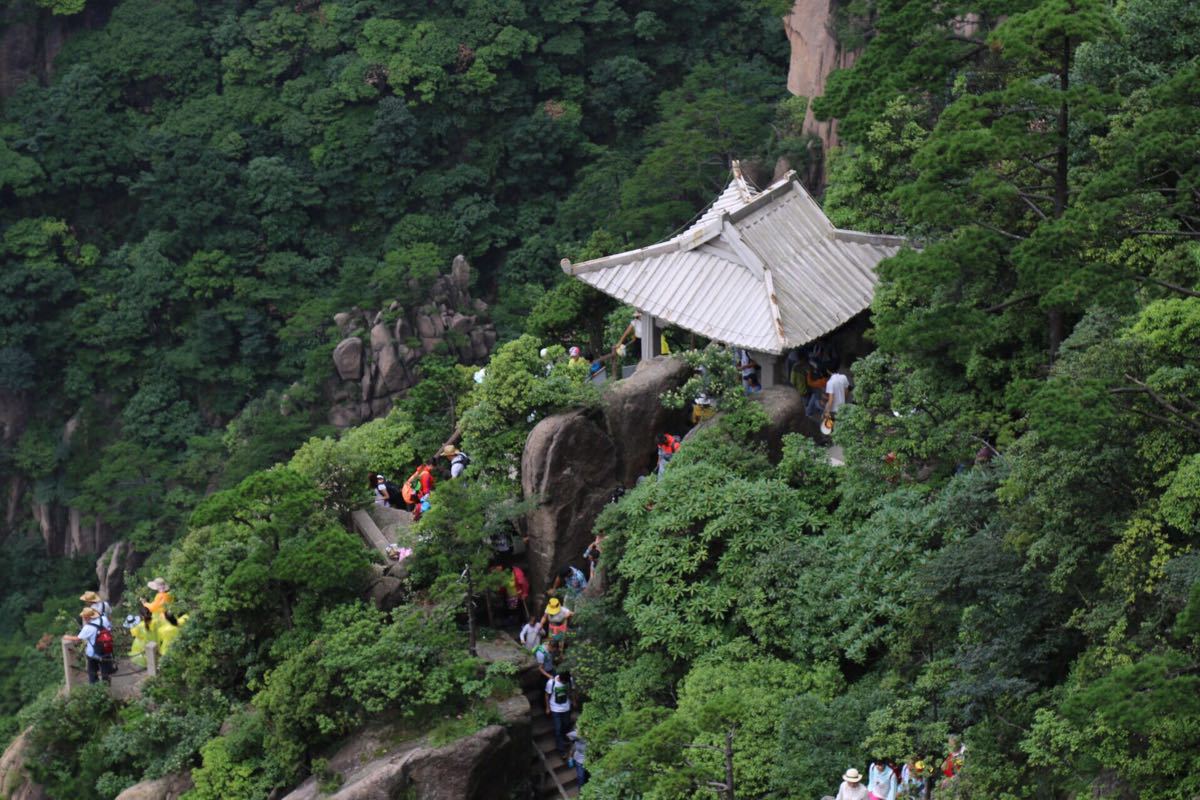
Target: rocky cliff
379,356
815,53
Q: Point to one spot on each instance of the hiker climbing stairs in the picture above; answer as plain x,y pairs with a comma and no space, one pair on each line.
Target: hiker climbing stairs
553,779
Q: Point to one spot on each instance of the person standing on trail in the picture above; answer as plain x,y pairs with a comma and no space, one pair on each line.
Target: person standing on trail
382,497
93,600
881,780
558,708
852,788
98,646
162,598
555,620
421,482
578,755
531,635
668,446
571,580
457,458
544,654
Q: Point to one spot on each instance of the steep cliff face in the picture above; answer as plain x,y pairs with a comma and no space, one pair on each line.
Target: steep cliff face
31,38
815,54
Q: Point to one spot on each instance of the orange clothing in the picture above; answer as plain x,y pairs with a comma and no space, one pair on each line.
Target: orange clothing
159,603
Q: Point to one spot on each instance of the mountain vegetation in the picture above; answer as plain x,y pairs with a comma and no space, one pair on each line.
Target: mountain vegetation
1009,553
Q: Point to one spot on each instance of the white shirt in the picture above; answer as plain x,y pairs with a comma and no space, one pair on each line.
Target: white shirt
88,635
379,499
531,635
457,465
558,707
837,386
851,791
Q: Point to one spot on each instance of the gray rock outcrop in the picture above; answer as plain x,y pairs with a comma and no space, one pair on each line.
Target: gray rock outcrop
785,414
487,765
570,464
168,787
634,414
15,783
378,359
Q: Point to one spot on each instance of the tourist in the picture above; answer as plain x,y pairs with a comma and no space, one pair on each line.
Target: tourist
575,358
753,386
591,554
382,497
558,708
98,646
851,788
881,781
458,459
544,653
668,446
531,635
835,393
954,761
555,622
93,600
911,785
422,482
162,598
702,409
748,368
139,632
167,629
571,580
521,582
815,379
578,755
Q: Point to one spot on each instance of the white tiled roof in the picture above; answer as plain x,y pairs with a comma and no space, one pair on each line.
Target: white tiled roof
762,270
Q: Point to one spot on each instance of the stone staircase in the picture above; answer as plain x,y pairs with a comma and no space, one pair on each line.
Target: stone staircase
553,779
381,525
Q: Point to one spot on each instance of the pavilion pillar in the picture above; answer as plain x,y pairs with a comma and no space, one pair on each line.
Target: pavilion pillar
769,365
648,333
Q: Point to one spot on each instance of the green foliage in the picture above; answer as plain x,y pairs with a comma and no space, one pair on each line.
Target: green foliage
519,389
64,732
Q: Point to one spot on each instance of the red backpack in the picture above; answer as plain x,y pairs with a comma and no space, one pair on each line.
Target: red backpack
102,646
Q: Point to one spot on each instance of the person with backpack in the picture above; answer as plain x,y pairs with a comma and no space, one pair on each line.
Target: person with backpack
458,460
531,635
98,646
668,446
558,708
382,496
421,483
544,654
571,580
578,756
93,600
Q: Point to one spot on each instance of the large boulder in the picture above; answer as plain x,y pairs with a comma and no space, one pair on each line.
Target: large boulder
14,782
168,787
487,765
634,414
348,358
785,414
570,466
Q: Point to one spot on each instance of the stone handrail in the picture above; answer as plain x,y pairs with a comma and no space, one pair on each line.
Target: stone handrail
73,677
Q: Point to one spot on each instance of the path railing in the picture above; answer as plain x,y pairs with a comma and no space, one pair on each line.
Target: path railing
127,682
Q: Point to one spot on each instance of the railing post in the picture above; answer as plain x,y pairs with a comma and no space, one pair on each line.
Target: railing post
68,653
151,658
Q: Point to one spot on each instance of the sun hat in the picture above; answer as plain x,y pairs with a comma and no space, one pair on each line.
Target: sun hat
449,451
574,352
90,597
131,620
827,425
852,776
554,606
89,613
159,585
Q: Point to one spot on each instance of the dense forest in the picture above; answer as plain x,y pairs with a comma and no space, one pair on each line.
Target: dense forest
199,187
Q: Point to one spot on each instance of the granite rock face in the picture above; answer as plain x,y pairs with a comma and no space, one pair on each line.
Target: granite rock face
379,356
570,464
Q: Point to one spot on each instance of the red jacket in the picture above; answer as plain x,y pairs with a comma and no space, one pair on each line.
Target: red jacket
670,446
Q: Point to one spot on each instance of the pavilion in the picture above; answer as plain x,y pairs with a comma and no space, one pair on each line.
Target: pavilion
765,271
